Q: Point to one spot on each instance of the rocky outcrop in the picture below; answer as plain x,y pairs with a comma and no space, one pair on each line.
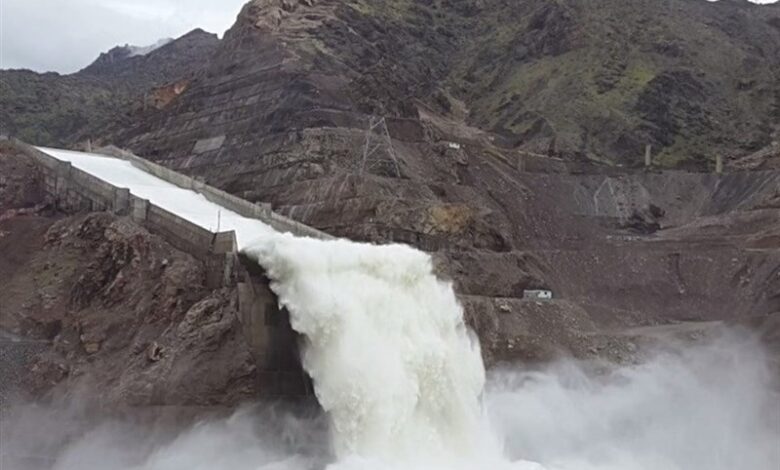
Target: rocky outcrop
174,60
125,314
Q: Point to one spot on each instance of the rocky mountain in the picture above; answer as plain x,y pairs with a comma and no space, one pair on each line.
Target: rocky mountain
594,81
52,109
509,135
279,115
602,79
169,61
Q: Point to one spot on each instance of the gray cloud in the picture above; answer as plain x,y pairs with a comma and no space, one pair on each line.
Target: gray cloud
66,35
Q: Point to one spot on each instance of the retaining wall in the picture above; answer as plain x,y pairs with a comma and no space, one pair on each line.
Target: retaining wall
74,190
273,342
262,212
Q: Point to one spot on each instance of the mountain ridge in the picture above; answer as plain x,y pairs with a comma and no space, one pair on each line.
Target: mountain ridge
61,110
579,80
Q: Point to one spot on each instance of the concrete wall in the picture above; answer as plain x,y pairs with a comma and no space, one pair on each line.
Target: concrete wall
274,344
267,328
74,190
240,206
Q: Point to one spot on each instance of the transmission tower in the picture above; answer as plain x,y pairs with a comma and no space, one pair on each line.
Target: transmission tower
378,152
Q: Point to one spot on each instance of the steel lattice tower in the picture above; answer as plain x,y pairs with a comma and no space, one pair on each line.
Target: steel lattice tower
378,153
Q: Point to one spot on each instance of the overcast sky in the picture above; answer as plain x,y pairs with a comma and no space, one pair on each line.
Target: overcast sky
67,35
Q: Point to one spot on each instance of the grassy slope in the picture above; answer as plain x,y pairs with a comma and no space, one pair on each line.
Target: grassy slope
603,77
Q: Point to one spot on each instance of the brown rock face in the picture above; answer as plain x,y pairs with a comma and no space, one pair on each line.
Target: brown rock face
126,314
163,96
280,116
577,79
574,79
494,111
122,311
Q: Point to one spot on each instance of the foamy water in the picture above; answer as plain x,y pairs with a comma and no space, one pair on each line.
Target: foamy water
401,379
392,361
709,407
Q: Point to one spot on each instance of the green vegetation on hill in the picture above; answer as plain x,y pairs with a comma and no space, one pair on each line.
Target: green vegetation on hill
603,78
595,79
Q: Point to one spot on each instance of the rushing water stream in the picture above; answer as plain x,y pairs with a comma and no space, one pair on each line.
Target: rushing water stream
393,363
401,379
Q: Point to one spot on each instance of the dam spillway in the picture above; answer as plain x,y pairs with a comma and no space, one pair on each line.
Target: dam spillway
392,360
202,221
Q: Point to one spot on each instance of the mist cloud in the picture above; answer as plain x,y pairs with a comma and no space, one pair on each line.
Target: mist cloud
710,407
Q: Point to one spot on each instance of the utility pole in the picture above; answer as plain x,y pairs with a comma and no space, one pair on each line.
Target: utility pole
648,156
378,152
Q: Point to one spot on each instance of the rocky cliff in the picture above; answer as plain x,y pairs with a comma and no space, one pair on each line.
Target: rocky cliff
581,80
113,307
512,124
571,78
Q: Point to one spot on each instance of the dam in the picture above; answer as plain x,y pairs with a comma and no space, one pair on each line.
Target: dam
386,346
391,360
200,220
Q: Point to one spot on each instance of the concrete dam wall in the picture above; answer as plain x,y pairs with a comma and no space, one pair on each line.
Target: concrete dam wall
266,327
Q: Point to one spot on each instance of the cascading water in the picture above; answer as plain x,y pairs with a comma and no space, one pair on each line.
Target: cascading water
392,360
401,378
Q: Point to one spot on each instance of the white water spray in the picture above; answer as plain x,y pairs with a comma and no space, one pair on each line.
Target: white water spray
401,377
706,407
392,361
